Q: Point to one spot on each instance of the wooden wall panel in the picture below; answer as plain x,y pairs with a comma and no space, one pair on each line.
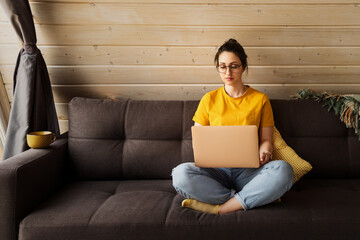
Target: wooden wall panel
4,103
271,91
64,93
64,126
138,35
62,108
4,114
216,1
8,53
191,14
129,55
62,111
165,93
161,49
75,75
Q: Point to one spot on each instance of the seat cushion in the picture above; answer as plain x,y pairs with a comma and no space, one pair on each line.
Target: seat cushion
151,209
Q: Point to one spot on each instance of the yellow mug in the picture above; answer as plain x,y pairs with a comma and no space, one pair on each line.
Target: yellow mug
40,139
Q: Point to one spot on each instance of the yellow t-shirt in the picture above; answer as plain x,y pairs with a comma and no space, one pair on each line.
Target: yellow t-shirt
217,108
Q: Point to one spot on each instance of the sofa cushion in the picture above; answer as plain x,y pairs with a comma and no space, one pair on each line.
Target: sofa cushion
113,209
284,152
96,137
318,136
154,120
116,139
96,118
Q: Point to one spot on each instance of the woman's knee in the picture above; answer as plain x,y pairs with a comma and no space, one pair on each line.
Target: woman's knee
180,174
284,171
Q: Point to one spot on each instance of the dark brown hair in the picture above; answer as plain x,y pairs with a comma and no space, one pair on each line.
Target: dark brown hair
233,46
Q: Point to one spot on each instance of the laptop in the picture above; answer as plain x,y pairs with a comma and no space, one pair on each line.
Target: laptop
226,146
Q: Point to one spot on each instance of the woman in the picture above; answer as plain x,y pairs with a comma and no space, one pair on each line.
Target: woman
224,190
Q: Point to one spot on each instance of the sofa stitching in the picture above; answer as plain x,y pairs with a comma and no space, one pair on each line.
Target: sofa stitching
117,139
183,133
284,136
91,218
183,122
94,213
168,211
140,190
125,118
102,226
125,138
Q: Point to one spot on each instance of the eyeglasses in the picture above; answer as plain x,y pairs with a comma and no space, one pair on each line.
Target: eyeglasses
232,68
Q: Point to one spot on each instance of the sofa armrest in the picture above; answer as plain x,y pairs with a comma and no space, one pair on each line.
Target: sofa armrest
26,180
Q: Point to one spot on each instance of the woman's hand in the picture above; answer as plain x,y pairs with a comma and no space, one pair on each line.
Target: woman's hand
265,147
264,158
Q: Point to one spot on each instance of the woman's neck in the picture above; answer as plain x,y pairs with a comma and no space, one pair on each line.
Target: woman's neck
236,91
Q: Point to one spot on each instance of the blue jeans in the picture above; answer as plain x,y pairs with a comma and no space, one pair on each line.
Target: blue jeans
252,187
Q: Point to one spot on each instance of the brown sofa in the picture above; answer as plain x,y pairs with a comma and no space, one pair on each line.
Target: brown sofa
110,178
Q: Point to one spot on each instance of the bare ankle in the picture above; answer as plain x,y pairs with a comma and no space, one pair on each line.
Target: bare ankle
221,209
231,205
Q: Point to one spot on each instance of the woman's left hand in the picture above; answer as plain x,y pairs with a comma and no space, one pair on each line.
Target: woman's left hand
264,158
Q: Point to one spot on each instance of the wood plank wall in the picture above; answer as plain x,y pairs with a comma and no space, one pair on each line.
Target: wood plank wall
4,114
161,49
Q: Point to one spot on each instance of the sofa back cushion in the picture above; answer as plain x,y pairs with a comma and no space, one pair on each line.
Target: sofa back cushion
133,139
117,139
319,137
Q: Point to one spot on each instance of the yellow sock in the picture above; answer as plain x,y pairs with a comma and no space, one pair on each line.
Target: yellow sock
200,206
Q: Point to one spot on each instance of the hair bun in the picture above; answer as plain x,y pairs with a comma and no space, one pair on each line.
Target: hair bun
231,40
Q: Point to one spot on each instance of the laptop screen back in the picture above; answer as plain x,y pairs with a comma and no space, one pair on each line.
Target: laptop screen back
226,146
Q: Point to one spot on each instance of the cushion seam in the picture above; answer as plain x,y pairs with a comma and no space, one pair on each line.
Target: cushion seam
124,139
94,213
168,211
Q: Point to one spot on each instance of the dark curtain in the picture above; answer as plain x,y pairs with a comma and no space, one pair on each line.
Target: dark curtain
33,107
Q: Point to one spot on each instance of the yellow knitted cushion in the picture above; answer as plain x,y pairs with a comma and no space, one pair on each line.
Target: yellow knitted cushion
283,152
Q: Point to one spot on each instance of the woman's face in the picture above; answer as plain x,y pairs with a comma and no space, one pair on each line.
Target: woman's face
230,69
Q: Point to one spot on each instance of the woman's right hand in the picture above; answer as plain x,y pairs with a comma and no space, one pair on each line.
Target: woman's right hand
264,158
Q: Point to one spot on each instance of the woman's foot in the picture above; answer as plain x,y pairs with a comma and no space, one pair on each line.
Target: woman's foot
200,206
